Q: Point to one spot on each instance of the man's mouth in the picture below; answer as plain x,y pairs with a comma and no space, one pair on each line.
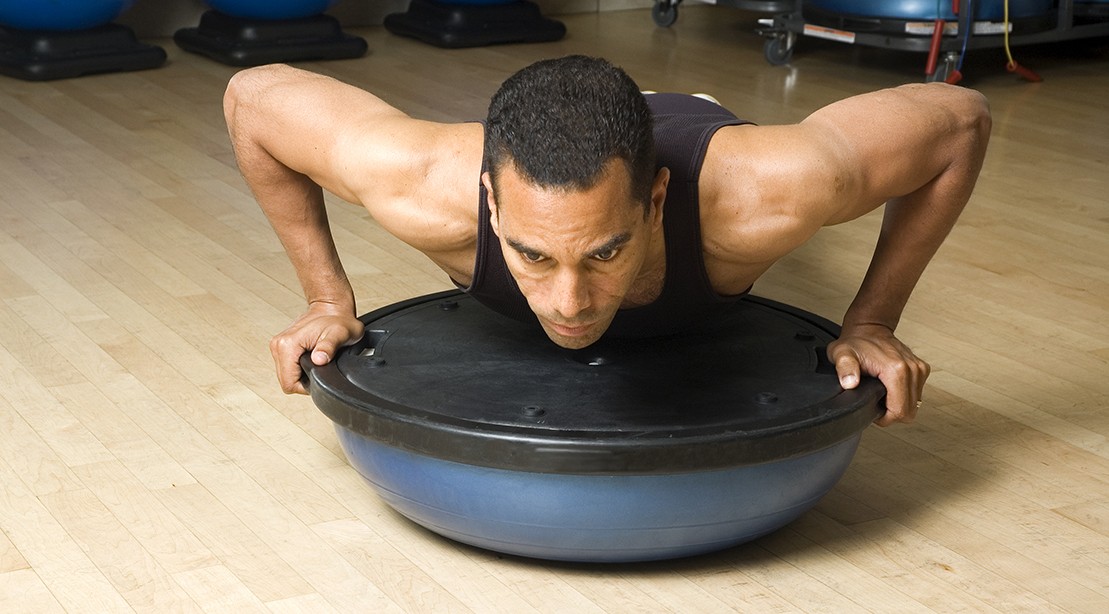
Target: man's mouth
570,331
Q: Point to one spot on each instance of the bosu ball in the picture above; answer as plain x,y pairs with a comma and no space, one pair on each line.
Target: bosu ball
60,39
482,430
256,32
474,23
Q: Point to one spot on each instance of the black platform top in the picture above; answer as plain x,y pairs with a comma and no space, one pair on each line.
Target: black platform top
443,376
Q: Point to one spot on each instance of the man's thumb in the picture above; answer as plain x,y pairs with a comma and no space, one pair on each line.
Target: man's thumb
847,367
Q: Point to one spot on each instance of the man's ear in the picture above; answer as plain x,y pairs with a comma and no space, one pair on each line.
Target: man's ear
491,200
658,196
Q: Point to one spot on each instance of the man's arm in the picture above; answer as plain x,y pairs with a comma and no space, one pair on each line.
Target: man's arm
942,133
295,134
916,148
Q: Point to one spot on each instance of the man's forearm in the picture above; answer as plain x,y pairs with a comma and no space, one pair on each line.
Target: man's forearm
294,206
916,224
913,228
911,234
306,237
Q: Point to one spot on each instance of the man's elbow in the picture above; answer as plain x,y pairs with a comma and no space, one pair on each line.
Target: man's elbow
240,89
973,111
248,87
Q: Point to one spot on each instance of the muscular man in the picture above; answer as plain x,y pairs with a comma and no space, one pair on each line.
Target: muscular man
585,206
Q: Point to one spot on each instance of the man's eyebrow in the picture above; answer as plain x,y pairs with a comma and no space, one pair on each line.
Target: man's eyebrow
612,243
520,247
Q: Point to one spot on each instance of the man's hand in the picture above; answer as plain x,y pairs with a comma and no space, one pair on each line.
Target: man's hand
322,330
872,349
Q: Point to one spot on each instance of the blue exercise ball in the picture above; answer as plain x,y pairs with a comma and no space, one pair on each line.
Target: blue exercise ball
478,2
271,9
61,14
930,9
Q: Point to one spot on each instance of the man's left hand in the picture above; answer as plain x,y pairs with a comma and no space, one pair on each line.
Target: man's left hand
872,349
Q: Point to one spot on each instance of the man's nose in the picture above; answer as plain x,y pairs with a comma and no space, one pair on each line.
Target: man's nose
571,293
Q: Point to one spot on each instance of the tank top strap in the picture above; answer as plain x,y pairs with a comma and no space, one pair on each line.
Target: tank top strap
492,284
684,125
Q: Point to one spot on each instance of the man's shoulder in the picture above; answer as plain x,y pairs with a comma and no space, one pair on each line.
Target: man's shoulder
753,195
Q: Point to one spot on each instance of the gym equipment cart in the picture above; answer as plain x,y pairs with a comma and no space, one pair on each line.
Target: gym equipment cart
946,41
945,30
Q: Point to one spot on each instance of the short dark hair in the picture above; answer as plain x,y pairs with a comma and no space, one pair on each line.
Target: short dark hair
560,121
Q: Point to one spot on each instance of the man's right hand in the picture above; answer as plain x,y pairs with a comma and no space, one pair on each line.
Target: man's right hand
322,330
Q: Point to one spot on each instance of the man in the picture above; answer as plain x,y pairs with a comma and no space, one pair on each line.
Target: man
556,209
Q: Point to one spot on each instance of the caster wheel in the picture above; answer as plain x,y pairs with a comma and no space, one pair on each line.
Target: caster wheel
779,49
665,13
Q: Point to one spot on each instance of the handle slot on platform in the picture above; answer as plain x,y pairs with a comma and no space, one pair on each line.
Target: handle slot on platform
823,365
372,340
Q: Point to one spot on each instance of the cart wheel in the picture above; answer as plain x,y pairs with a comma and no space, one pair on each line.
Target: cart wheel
944,67
665,13
778,49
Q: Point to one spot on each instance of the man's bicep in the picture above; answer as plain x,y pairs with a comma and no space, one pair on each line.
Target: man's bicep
768,189
893,142
804,175
319,127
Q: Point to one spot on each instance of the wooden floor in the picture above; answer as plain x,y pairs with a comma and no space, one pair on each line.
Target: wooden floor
148,461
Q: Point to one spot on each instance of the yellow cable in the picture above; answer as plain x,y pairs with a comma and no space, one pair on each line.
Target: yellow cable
1008,53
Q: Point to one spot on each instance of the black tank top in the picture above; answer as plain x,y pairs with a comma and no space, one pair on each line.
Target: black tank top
683,126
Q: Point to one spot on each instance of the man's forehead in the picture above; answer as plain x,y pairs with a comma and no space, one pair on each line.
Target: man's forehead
615,176
600,207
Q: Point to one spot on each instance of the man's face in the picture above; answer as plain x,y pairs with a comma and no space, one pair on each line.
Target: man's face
574,254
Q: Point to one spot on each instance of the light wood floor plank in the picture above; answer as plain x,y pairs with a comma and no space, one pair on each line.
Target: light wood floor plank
34,420
403,582
948,518
865,546
129,567
10,558
54,554
161,535
292,540
305,603
867,591
22,592
216,589
234,543
799,586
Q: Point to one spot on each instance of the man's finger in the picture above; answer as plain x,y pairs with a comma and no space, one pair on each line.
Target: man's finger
320,357
330,340
847,368
289,376
324,348
899,397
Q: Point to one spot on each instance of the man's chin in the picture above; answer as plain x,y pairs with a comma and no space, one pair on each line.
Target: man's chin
572,343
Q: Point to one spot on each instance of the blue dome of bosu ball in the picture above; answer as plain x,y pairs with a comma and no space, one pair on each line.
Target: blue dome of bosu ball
480,429
61,15
271,9
930,9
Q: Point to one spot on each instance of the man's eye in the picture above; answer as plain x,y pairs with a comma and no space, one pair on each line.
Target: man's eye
532,256
606,255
